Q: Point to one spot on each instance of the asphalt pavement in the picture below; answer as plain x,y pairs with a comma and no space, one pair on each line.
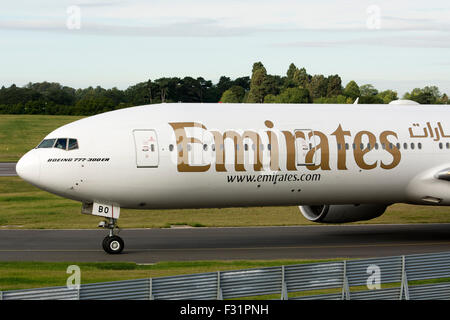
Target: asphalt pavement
8,169
261,243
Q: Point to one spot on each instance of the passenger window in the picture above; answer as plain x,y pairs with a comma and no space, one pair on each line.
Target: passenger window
412,146
171,147
61,144
376,146
213,147
205,147
152,148
447,145
269,147
405,146
346,146
73,144
419,145
440,145
246,147
48,143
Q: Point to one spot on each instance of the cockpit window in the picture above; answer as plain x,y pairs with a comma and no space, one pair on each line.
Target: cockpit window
47,143
73,144
61,144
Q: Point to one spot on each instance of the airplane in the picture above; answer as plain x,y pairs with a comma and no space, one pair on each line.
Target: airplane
338,163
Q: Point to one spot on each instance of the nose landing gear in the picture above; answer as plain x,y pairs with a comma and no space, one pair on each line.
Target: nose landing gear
112,243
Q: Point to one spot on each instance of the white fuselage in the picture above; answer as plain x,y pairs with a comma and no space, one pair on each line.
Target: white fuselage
225,155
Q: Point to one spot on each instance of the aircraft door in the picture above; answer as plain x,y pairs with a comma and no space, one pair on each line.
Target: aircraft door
147,149
304,142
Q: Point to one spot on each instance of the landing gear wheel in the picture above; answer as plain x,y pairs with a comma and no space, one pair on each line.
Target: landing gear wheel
113,244
104,243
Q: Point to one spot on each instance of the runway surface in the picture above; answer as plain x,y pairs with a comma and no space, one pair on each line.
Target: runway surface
8,169
265,243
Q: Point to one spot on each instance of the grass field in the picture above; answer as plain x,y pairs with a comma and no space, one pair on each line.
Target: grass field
20,133
23,206
28,275
24,275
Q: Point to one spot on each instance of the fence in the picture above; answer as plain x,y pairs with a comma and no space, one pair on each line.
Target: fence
416,277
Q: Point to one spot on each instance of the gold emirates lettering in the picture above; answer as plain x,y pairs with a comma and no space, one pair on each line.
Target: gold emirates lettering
322,148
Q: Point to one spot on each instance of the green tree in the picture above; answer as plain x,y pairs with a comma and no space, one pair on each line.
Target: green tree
291,72
294,95
427,95
224,84
138,94
229,97
257,84
296,77
339,99
302,78
318,86
151,91
243,82
168,89
233,95
368,90
208,92
352,90
334,87
270,98
92,105
189,90
433,90
272,84
387,96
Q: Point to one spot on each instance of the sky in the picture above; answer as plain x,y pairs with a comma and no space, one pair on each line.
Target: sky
397,45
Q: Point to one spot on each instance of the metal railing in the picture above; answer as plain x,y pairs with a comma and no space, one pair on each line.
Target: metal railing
391,278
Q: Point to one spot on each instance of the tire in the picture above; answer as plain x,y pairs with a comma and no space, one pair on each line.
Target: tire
113,245
104,244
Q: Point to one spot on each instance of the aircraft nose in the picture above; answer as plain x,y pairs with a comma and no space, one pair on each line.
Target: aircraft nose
28,167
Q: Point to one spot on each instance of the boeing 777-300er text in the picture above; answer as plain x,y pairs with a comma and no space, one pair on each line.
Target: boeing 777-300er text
339,163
